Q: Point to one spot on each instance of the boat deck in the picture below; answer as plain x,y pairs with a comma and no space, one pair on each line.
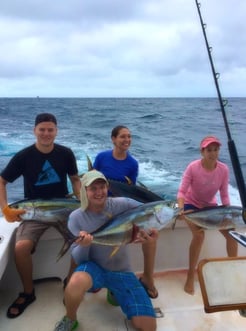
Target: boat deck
182,312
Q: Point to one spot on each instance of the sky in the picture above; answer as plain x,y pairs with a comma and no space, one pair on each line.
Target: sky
121,48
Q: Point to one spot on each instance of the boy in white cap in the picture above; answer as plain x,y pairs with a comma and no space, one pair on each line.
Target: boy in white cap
96,269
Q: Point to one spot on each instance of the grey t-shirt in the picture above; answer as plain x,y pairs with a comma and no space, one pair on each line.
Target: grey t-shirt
88,221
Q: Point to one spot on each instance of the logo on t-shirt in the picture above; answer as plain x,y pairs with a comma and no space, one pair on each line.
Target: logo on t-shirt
48,175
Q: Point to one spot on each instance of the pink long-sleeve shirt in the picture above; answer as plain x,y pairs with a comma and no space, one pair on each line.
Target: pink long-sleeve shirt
199,186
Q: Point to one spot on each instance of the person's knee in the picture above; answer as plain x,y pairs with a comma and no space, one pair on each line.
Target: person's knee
24,247
227,236
80,280
144,323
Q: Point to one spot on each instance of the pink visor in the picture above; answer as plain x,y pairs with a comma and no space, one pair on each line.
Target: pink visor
209,140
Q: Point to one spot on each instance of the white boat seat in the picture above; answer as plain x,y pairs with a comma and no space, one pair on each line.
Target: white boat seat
223,283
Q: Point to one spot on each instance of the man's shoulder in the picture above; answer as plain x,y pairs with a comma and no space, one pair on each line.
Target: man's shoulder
62,148
26,150
122,203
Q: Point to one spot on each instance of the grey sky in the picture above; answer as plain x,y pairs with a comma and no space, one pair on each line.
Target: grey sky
121,48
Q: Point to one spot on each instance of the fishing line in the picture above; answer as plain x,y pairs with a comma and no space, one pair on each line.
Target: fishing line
231,145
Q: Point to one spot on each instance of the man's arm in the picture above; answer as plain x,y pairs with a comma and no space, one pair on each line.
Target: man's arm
11,214
75,180
3,193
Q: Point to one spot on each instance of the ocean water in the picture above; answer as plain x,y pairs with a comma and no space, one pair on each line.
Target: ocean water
166,133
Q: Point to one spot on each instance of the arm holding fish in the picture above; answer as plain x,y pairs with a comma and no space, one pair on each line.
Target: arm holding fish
146,236
79,252
184,187
224,191
84,239
75,181
181,212
10,214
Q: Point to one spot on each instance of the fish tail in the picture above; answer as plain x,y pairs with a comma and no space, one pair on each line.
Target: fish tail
63,250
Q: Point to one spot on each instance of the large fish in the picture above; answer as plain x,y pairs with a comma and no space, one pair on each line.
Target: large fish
218,217
123,228
127,189
49,211
136,192
53,212
120,230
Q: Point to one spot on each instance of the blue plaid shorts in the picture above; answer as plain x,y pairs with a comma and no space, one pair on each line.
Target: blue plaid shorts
125,286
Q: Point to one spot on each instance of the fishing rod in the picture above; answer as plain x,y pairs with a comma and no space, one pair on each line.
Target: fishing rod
231,145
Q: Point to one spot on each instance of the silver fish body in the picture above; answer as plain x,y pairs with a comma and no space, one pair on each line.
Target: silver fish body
219,217
50,210
123,228
120,230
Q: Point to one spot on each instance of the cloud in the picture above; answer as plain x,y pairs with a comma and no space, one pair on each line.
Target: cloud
120,48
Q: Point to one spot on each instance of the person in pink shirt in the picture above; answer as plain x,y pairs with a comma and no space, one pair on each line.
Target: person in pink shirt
201,181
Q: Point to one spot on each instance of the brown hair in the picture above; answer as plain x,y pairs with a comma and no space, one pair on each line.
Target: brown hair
116,130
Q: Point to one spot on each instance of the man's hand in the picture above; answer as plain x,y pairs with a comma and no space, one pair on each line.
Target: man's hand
147,237
84,239
12,214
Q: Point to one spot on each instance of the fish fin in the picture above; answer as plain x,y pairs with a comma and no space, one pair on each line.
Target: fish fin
63,250
174,223
141,184
129,181
69,238
175,217
89,163
115,250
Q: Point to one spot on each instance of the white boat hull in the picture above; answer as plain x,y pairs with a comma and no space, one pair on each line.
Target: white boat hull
182,312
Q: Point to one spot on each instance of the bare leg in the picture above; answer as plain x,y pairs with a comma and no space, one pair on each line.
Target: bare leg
144,323
72,267
78,284
149,252
231,244
194,252
23,260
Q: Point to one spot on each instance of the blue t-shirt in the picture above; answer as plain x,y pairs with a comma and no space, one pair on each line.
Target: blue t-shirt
116,169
